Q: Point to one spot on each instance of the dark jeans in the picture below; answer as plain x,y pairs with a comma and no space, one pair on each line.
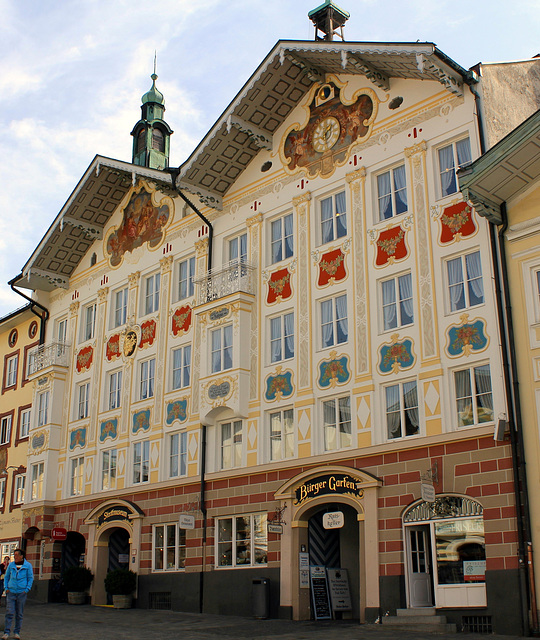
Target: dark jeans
14,607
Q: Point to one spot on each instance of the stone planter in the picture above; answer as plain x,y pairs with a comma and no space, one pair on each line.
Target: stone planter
77,597
122,602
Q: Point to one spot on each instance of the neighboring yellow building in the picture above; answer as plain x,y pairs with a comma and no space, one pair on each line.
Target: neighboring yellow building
19,332
506,181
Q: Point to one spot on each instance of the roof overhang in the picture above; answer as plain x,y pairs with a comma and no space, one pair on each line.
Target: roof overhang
82,220
503,172
281,81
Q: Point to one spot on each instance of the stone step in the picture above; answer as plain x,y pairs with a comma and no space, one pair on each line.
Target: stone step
426,627
412,619
418,611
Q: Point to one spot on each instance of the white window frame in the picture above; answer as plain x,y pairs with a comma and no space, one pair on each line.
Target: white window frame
6,423
398,304
147,374
476,393
109,466
181,367
221,348
403,410
536,276
178,454
114,390
76,476
281,432
18,488
43,408
89,322
281,243
395,201
152,287
334,322
141,462
38,470
334,426
2,492
82,410
237,248
332,227
186,274
12,369
162,553
229,539
467,282
281,342
24,423
453,181
120,306
61,330
231,444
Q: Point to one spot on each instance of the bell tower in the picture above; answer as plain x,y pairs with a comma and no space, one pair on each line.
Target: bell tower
151,135
328,19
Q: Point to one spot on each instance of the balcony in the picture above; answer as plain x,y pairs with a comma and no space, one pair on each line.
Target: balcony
234,277
47,355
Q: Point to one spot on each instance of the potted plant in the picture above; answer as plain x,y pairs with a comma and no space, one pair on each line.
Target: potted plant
77,581
120,584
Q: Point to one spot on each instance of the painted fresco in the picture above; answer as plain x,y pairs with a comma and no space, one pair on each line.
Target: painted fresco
176,410
77,438
142,222
457,222
333,126
391,246
108,429
84,359
466,338
112,349
279,385
396,355
331,267
334,371
148,333
181,320
279,286
141,420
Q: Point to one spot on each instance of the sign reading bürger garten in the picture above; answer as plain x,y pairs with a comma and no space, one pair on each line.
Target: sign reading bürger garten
335,483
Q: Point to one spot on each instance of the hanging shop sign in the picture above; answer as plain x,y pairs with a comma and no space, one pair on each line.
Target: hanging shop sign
186,521
59,534
331,484
427,492
333,520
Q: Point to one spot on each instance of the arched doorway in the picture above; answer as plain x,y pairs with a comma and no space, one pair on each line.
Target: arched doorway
73,550
113,552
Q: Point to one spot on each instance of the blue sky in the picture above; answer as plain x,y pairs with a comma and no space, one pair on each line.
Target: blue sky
72,73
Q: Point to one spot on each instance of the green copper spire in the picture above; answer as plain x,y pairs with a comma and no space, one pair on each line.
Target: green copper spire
329,19
151,135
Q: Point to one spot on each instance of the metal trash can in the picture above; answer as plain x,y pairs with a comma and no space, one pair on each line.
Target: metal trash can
260,597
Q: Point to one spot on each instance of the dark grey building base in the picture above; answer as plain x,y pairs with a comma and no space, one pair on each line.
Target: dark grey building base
392,594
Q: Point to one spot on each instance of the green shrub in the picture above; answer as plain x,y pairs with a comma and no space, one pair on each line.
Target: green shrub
77,578
120,582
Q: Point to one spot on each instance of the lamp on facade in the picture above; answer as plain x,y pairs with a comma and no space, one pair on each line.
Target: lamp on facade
20,469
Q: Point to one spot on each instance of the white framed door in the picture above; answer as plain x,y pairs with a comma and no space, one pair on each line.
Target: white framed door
419,565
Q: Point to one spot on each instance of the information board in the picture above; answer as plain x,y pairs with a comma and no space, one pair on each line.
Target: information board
319,593
340,595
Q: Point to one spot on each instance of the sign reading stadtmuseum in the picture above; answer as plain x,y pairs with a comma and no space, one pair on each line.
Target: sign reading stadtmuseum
331,484
116,512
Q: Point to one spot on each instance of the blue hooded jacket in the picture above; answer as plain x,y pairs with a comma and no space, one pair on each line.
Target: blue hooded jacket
19,580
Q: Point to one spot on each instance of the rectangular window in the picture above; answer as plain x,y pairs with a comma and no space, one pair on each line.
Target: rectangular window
61,330
89,322
178,455
43,409
120,307
181,367
451,158
337,423
115,389
281,238
18,494
397,302
108,469
148,370
141,461
281,434
474,396
151,293
2,492
5,429
402,410
24,425
334,324
238,248
242,541
333,217
465,286
12,367
77,476
83,400
37,481
231,444
186,273
392,193
282,337
221,342
169,547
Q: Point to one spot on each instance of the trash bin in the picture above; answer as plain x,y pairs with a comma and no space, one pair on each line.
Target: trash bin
260,597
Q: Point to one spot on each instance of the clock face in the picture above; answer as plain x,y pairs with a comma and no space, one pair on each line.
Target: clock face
326,134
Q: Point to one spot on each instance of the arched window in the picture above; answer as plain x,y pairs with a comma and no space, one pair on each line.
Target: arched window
141,140
158,140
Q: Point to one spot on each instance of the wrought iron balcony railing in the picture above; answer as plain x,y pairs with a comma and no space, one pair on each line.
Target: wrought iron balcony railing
236,276
46,355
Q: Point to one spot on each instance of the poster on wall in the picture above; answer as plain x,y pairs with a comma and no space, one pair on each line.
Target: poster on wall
319,593
340,595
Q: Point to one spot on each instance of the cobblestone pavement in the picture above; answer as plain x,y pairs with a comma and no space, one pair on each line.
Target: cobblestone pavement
68,622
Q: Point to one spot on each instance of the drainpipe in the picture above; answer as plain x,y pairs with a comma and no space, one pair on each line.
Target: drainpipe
204,518
43,316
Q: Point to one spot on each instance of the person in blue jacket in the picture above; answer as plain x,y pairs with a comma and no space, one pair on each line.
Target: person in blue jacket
17,583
